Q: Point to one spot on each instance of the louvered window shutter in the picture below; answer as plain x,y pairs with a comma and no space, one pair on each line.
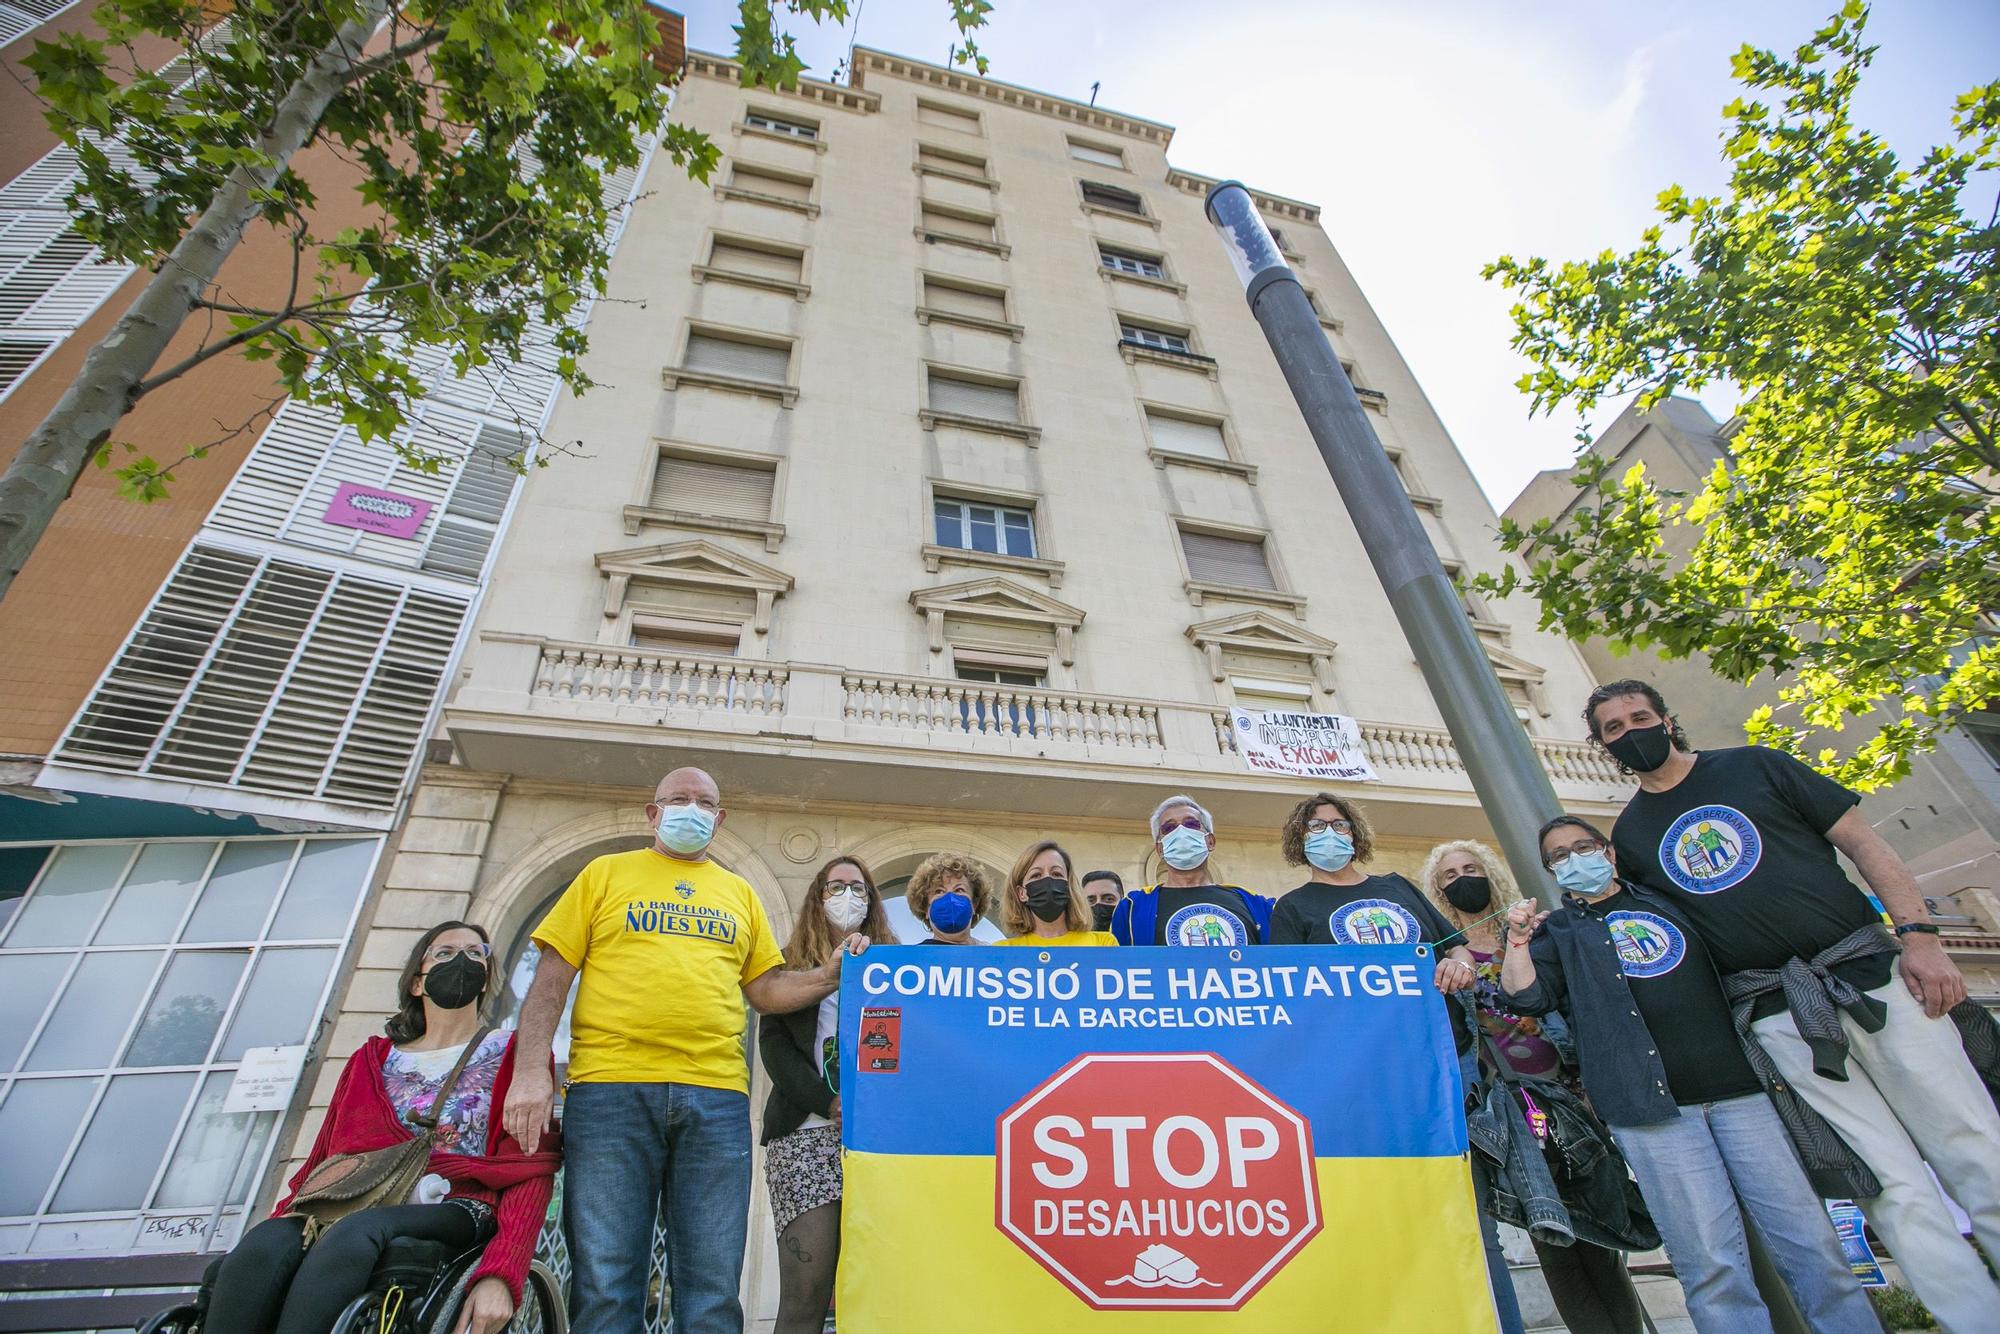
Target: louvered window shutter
1233,561
965,301
272,676
702,486
745,361
951,224
18,18
749,259
471,519
967,398
1188,437
50,277
764,183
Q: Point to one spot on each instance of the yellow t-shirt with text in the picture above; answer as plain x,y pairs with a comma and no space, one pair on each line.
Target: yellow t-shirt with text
1066,938
664,947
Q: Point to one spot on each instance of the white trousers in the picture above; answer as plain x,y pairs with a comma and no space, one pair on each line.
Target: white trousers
1911,1097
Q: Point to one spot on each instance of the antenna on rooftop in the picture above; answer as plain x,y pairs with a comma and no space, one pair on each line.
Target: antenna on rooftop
1093,94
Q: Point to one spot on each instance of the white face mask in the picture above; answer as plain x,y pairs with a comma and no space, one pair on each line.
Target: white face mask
847,909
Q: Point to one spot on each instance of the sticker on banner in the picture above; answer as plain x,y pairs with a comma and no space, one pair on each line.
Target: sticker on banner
881,1040
1308,745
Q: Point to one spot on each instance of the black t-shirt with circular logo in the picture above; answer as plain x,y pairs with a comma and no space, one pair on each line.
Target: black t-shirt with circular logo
1680,999
1380,910
1202,915
1739,847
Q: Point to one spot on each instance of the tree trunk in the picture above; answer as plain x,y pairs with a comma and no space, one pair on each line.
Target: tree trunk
42,475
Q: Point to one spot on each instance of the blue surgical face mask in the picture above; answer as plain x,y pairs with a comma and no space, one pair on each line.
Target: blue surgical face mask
686,829
1585,873
1328,850
950,913
1184,848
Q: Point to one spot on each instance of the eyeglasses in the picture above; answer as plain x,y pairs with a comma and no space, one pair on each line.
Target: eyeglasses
835,888
1185,822
1322,826
709,804
446,953
1582,849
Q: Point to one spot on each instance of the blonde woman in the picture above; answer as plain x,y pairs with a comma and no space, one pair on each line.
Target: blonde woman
949,894
802,1115
1044,905
1468,882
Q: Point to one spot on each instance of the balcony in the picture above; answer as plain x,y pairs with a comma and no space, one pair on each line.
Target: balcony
600,714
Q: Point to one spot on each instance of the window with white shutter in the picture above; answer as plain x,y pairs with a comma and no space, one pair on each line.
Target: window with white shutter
1183,435
1236,562
736,257
471,518
1139,266
51,279
974,398
1103,157
18,18
777,185
714,354
712,487
943,159
1162,340
794,129
1111,197
272,676
661,634
978,302
965,226
948,118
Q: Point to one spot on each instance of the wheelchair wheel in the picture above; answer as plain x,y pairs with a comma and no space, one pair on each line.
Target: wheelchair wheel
180,1320
541,1310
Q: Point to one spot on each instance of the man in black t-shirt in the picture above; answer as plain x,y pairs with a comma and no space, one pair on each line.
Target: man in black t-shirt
1743,843
1187,907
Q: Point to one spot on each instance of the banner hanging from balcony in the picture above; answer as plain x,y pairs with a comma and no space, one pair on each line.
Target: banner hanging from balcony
1092,1139
1310,745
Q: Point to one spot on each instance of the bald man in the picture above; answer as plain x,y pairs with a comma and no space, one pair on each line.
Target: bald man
669,946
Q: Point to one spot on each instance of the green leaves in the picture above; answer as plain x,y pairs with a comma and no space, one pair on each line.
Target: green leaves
1846,543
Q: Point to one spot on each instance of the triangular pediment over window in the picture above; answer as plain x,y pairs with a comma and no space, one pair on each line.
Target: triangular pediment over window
1520,672
999,601
1262,634
694,564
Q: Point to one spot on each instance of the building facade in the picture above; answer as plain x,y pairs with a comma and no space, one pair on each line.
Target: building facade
1944,819
940,493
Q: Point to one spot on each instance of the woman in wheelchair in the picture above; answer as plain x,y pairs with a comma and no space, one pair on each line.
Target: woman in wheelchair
290,1276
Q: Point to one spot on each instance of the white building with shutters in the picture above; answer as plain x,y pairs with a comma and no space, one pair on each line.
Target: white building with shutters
940,493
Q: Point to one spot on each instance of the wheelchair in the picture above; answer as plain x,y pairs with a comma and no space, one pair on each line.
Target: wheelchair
416,1288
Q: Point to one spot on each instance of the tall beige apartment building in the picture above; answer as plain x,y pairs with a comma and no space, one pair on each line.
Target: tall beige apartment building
939,492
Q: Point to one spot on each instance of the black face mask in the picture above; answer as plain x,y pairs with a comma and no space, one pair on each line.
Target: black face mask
1048,898
1642,749
1100,915
455,983
1470,893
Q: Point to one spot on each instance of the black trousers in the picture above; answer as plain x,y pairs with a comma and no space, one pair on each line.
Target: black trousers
1591,1288
269,1285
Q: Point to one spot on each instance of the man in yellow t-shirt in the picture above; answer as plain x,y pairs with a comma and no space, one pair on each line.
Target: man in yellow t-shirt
669,946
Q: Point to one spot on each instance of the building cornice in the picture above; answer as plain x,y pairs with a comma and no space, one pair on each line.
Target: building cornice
709,65
958,81
1194,184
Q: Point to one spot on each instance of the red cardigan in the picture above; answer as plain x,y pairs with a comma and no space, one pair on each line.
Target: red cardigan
516,1184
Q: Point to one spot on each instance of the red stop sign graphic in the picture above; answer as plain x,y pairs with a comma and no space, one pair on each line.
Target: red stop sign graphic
1164,1182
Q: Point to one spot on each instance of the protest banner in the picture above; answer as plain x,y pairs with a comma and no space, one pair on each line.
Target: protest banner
1093,1139
1308,745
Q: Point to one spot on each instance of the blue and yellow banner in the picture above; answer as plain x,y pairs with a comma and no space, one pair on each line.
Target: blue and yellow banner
1067,1139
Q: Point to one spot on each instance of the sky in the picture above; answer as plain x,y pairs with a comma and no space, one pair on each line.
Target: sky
1437,135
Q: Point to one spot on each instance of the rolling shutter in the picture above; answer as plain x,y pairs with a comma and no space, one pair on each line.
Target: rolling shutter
1111,197
950,118
704,486
766,183
1188,437
1103,157
273,676
749,259
1234,561
965,301
744,361
968,398
951,224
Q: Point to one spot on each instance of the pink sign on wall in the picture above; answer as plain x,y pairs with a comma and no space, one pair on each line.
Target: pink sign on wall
386,512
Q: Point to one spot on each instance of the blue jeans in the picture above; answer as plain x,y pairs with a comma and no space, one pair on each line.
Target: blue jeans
1695,1171
629,1148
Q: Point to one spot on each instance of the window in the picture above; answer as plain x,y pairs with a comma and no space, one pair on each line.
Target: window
964,226
974,398
20,17
1111,197
1236,562
1103,157
51,278
999,676
972,526
1278,235
795,129
660,634
999,711
742,257
979,303
1181,435
1987,738
716,354
1260,694
948,118
943,159
1159,339
471,519
1139,266
1517,695
712,487
771,184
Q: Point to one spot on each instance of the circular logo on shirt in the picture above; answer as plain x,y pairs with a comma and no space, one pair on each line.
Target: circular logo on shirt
1205,924
1710,849
1648,944
1372,922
